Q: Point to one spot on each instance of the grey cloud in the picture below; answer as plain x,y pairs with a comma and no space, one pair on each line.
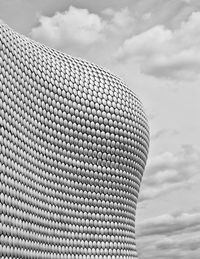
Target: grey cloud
178,253
169,236
169,171
188,243
169,224
162,132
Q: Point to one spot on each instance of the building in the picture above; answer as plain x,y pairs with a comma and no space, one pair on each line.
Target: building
73,147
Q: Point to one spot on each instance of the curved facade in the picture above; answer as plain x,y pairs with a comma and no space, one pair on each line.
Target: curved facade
73,147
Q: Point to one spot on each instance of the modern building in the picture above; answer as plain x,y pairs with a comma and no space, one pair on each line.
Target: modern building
73,147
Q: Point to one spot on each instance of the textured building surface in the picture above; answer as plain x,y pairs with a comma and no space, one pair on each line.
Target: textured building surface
73,147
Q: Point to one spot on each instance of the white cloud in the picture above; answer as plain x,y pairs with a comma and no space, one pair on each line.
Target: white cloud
121,20
169,171
146,44
82,33
162,52
73,28
147,16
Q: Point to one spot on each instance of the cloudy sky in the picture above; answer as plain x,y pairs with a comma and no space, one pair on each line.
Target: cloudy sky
154,46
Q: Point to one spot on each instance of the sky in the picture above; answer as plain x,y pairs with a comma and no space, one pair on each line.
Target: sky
154,46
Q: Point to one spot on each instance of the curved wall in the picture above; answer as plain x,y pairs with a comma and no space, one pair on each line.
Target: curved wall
73,147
